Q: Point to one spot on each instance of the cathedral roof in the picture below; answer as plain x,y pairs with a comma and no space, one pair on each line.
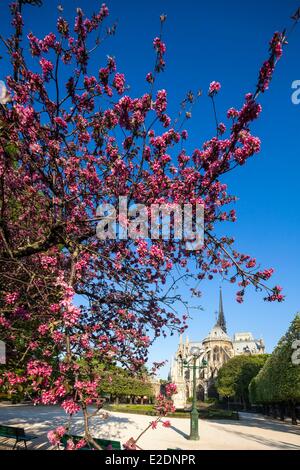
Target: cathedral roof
219,331
217,334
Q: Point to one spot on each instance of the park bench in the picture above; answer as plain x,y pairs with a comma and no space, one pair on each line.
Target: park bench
105,444
18,434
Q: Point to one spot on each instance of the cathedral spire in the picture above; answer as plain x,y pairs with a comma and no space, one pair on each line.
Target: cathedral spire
221,317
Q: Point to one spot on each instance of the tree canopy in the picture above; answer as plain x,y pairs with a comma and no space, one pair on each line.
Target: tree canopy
119,382
235,375
279,379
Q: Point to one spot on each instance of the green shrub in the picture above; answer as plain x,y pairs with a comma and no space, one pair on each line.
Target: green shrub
279,379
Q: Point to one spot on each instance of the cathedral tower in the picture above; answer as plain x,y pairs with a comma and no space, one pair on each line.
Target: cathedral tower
221,322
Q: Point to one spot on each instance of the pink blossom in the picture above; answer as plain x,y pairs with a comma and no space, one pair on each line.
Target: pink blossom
70,445
149,77
161,102
159,46
61,122
43,329
171,389
48,397
119,83
214,87
11,297
130,444
55,436
81,443
232,113
70,406
184,135
47,68
39,368
166,424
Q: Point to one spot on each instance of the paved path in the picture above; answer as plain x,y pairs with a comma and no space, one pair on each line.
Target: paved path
250,432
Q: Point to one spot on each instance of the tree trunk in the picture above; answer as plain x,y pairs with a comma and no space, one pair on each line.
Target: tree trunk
293,413
281,411
244,403
87,433
274,411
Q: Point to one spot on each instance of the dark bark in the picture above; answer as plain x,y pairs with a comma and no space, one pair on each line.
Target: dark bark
293,413
281,411
274,411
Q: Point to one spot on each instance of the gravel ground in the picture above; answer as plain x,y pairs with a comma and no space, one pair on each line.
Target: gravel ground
251,432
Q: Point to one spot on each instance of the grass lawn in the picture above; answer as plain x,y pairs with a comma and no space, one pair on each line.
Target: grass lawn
205,413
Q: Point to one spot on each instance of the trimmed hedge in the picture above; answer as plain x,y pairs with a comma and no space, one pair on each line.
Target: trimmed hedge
278,382
150,411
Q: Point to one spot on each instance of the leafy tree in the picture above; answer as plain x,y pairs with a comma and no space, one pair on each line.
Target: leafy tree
278,382
235,376
119,382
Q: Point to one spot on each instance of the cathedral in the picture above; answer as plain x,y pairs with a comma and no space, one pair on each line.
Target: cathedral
216,349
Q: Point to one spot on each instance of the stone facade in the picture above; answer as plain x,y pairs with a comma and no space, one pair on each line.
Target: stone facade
216,349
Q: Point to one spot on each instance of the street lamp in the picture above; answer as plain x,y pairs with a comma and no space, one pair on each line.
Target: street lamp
196,353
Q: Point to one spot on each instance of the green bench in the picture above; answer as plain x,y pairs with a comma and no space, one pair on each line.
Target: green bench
105,444
18,434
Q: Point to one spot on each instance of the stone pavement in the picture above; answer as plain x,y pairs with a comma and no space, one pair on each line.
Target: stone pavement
251,432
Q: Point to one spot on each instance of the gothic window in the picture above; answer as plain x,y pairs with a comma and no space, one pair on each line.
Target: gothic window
216,354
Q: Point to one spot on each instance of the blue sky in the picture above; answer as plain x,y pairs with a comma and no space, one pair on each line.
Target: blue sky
225,41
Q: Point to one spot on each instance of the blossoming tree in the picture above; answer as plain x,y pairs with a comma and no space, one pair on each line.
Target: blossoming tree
69,141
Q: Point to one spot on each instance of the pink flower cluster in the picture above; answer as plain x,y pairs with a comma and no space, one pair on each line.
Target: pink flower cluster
11,297
119,83
267,69
164,405
213,89
265,75
71,315
160,48
276,44
13,379
160,104
71,445
171,389
165,424
39,368
276,295
43,329
70,406
88,390
47,68
130,444
55,436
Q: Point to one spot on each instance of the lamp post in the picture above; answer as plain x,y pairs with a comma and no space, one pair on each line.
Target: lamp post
196,353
